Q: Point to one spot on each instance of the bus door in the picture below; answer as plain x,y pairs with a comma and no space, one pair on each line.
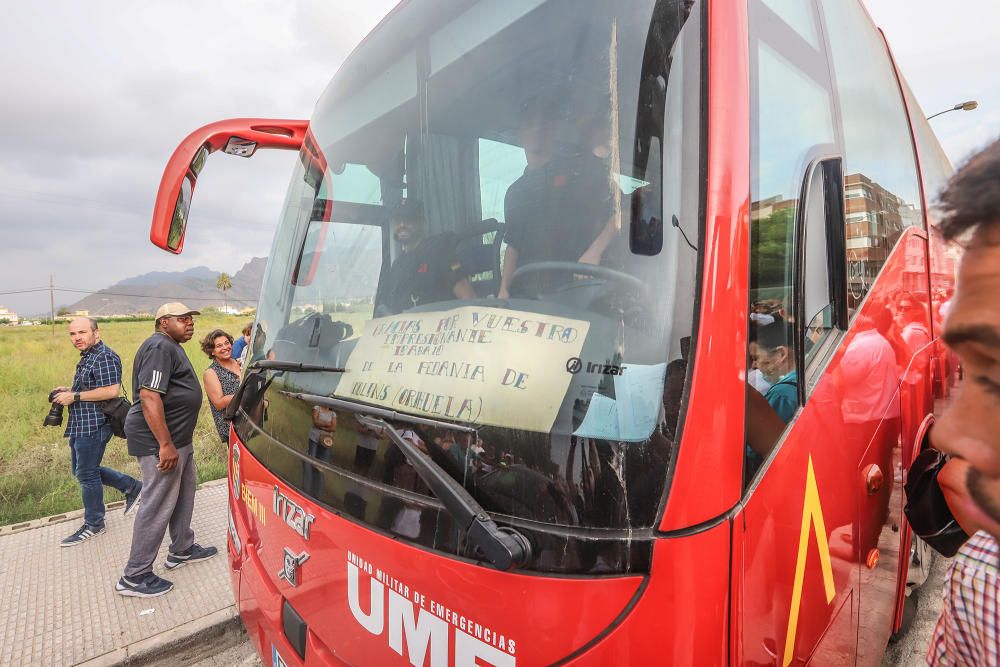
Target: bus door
797,586
835,221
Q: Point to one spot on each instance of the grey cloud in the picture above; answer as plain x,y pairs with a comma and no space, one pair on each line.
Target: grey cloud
95,98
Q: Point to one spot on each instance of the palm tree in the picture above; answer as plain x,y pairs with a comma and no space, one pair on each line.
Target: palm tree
224,282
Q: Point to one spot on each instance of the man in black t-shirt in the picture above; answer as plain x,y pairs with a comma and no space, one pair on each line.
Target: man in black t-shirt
426,271
558,211
160,433
562,208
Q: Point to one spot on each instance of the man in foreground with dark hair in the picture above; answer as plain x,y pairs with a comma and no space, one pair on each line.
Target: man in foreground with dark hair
969,430
160,430
98,378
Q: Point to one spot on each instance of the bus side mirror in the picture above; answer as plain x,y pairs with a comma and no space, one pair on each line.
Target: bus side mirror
646,222
236,136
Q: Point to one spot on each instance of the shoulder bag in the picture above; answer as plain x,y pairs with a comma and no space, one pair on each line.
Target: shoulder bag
117,409
926,508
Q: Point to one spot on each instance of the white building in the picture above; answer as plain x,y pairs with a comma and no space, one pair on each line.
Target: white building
8,316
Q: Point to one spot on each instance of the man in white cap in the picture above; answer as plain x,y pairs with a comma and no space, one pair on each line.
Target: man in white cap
160,434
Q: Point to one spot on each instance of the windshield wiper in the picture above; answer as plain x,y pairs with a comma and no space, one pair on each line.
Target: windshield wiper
255,368
504,547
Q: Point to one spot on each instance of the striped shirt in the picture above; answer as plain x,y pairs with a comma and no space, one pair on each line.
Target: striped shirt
98,367
968,631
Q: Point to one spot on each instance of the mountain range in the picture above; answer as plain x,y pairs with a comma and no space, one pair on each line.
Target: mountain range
194,287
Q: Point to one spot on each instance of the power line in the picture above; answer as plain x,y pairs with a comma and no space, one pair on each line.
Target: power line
146,296
31,290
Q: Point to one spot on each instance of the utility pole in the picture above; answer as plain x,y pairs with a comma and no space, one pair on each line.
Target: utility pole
52,306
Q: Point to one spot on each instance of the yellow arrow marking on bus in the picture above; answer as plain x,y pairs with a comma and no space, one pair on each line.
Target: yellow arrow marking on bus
812,514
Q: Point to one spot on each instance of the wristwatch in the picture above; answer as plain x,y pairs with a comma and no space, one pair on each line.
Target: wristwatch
76,397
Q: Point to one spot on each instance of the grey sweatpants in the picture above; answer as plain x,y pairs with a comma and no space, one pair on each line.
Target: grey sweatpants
167,501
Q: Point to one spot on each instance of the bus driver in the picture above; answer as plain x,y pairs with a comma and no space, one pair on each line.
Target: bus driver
563,207
426,271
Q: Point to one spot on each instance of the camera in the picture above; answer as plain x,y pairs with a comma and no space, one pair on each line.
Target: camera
55,416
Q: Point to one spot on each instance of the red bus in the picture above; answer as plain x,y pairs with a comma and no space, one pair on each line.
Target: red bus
592,333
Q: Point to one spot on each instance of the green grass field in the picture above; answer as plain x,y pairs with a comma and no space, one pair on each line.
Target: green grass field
35,475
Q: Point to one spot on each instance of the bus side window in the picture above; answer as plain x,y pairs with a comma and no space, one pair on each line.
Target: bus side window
823,306
791,130
882,196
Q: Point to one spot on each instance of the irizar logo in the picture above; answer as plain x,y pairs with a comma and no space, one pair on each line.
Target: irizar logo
292,513
575,365
422,625
604,369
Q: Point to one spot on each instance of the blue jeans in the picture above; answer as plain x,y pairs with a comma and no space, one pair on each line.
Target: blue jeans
86,453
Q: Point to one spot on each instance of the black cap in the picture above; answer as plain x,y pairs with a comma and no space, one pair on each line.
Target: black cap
408,209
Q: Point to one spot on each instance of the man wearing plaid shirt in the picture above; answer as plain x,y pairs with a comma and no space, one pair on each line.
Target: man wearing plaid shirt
969,628
968,631
98,378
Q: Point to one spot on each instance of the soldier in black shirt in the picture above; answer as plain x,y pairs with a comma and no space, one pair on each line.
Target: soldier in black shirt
563,208
426,271
559,212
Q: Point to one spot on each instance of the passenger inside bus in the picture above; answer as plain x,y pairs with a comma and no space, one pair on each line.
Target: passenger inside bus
563,208
426,271
772,348
773,403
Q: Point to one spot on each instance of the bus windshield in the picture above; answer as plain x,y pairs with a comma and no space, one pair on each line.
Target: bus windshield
494,222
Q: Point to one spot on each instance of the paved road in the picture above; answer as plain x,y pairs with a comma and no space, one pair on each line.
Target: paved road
910,650
241,655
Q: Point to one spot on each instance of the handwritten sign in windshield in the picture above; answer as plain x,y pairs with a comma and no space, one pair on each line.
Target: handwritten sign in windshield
477,365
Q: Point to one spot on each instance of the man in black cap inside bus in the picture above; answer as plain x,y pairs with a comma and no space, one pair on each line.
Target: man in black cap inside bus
426,271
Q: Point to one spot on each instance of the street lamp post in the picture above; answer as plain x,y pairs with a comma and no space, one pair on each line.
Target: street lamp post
961,106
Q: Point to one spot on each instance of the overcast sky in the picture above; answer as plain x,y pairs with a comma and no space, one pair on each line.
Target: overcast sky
96,95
